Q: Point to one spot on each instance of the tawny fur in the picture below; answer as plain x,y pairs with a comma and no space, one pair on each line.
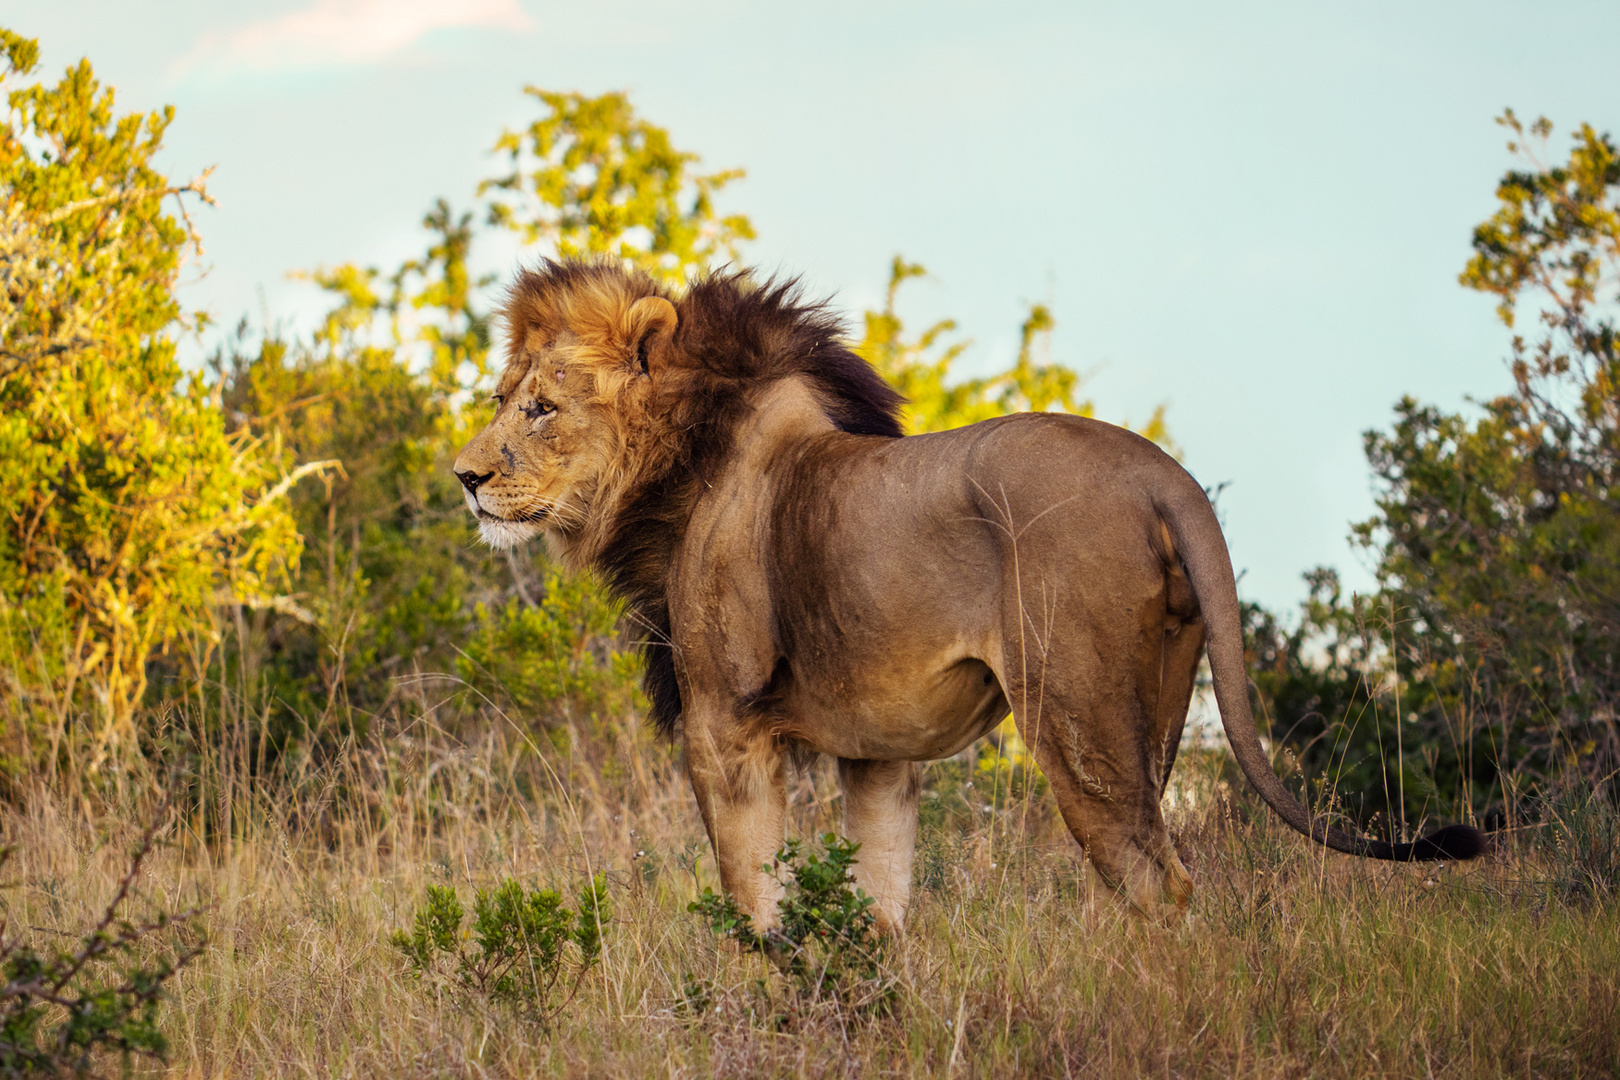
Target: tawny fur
805,577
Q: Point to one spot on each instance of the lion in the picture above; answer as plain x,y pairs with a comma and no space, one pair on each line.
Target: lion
808,578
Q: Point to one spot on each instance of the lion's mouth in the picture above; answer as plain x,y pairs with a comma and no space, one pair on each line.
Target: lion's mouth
505,533
529,518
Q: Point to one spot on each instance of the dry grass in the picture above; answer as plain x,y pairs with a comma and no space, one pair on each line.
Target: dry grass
1292,962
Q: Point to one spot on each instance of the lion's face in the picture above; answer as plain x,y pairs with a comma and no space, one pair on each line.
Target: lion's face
534,467
560,428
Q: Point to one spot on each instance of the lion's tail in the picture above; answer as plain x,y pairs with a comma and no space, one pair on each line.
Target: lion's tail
1203,553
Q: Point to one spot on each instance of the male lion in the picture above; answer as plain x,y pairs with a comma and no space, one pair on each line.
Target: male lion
805,575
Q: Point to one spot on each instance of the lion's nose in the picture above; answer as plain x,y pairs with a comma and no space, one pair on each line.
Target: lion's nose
470,480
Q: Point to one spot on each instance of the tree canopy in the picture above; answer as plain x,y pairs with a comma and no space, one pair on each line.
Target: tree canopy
1489,662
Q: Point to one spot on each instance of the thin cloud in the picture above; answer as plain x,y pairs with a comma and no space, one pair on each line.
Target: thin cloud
336,32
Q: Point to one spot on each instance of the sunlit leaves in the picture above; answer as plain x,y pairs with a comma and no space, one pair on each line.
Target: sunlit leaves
589,177
126,511
1557,228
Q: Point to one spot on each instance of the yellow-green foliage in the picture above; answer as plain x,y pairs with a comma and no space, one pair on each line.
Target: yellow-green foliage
590,177
556,657
1483,670
126,511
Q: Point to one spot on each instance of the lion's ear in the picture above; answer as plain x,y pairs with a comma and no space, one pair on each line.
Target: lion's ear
649,327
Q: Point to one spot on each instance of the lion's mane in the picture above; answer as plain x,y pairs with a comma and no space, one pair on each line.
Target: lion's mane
734,336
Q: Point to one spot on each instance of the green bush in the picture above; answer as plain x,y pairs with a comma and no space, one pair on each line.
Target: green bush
828,942
1580,834
524,947
558,656
127,510
66,1010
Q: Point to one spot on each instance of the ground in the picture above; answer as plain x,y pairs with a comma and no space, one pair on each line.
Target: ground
1291,961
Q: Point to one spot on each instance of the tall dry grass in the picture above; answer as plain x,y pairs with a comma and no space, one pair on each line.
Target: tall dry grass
1291,962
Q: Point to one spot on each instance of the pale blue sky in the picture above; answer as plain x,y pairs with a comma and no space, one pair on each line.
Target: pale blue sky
1252,212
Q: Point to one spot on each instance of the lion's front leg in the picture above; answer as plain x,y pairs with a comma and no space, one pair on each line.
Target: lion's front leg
880,811
738,775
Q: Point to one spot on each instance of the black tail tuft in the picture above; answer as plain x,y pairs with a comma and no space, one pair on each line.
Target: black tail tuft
1454,843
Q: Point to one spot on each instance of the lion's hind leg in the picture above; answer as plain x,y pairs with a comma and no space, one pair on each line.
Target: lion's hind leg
1183,648
880,812
1099,736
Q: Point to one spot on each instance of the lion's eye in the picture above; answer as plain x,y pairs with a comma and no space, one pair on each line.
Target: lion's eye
536,409
497,399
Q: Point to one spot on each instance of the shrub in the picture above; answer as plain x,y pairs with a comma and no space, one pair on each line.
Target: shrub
1004,772
828,942
63,1010
556,656
127,511
1581,835
524,948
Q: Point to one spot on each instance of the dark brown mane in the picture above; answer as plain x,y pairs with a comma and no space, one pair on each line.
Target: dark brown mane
734,336
739,335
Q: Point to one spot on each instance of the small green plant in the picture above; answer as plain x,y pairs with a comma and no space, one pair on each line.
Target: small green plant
555,657
523,948
697,997
828,942
65,1011
1582,838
